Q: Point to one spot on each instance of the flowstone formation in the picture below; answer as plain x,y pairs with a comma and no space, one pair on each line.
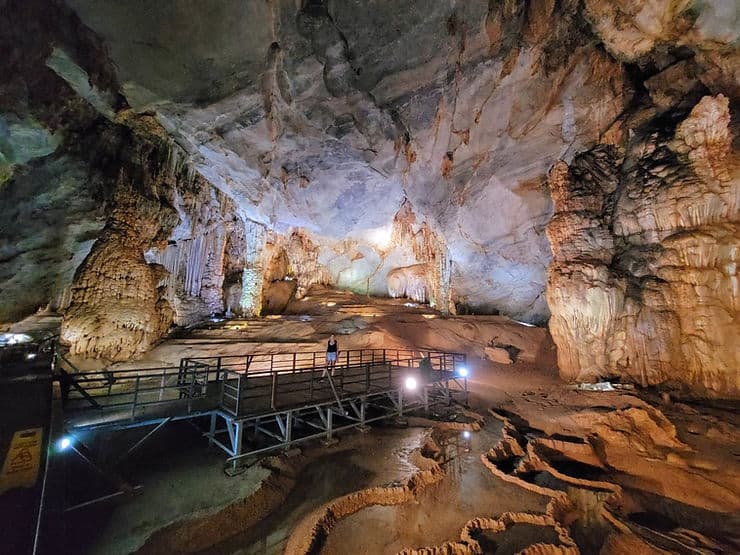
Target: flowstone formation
644,278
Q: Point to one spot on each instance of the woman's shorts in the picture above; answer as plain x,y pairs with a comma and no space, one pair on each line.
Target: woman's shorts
331,357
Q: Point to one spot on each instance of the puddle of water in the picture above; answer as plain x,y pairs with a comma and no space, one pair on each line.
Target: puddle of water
441,510
515,538
363,461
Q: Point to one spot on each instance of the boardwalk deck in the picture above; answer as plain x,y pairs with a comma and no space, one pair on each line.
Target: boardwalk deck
278,399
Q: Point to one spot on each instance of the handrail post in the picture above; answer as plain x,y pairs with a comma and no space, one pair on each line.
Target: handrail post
273,392
218,368
238,393
161,385
294,362
136,395
367,377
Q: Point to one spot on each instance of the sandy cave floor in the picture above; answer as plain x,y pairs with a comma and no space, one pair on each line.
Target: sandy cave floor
637,473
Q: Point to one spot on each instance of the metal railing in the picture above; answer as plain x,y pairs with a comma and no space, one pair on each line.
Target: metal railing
240,383
298,361
133,389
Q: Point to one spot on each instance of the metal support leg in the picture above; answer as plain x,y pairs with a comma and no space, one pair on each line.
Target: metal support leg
143,439
237,438
329,422
288,428
212,429
400,402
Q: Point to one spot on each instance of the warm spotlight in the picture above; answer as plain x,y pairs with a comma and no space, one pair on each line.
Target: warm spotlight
462,372
466,434
380,237
410,383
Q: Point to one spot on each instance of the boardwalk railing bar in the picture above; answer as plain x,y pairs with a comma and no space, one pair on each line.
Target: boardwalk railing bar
253,382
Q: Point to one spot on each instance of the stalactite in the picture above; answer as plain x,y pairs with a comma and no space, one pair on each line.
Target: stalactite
431,252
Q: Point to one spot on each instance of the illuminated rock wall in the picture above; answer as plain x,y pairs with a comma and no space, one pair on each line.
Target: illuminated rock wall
645,241
117,309
360,147
410,282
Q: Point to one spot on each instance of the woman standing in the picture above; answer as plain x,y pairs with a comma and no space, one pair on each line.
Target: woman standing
332,352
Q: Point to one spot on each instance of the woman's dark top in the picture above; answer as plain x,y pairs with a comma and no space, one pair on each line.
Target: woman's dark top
331,348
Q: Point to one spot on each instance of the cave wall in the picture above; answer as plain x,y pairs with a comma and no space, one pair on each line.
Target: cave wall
334,114
361,142
644,284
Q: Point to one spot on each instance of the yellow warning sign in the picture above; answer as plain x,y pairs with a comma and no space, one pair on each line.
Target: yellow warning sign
21,466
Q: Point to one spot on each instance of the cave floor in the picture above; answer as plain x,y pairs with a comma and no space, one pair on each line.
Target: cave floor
669,472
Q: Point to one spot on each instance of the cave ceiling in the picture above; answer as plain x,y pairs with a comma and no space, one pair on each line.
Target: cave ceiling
328,116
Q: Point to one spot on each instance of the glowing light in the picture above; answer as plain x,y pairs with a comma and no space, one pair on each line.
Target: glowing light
381,236
14,338
524,324
429,316
466,434
410,304
30,356
331,303
410,383
463,372
64,443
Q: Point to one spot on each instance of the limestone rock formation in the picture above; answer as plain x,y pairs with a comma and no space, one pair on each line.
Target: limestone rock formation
410,282
643,283
361,138
326,123
117,309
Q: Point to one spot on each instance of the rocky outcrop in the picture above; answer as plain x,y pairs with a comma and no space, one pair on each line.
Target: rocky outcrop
117,308
410,282
643,283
